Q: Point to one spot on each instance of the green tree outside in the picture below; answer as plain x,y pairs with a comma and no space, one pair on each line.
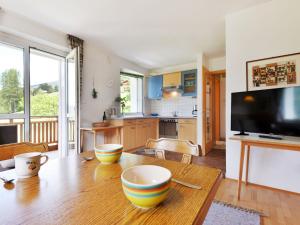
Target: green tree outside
11,92
44,104
44,99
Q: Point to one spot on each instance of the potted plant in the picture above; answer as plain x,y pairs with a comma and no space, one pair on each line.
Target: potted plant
122,102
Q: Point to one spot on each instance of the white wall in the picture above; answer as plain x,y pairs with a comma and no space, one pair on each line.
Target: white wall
104,68
214,64
18,25
200,63
175,68
267,30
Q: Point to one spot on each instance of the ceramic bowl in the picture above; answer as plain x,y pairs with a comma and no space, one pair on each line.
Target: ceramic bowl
108,153
146,186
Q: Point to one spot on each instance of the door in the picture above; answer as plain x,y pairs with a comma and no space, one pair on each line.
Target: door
219,108
70,106
187,130
207,118
189,82
154,87
129,138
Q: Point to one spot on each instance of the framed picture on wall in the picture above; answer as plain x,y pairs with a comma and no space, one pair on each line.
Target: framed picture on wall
274,72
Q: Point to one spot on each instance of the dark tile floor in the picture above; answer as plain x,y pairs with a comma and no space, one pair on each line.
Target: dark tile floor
216,158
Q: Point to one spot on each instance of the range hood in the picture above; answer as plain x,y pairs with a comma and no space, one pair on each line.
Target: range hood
170,89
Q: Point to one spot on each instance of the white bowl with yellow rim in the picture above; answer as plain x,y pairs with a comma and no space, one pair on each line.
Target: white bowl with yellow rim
108,153
146,185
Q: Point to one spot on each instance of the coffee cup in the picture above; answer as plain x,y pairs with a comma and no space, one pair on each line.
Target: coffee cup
28,164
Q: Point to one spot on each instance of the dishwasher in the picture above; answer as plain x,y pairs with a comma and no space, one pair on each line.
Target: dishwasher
168,128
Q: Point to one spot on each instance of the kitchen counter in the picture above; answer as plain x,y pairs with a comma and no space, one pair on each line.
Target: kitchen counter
153,117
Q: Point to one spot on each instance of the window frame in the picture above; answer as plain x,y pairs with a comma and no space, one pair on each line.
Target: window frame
26,45
138,76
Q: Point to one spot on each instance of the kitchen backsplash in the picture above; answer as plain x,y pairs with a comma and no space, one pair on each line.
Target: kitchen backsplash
165,107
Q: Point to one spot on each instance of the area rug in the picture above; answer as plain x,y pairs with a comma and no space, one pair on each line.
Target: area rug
226,214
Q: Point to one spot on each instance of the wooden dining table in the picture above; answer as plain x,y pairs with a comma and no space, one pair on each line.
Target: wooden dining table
73,191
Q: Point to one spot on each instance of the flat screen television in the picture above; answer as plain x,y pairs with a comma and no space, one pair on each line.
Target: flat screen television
272,111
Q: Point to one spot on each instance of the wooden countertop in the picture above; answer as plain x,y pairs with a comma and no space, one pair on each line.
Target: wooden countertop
100,128
153,117
68,191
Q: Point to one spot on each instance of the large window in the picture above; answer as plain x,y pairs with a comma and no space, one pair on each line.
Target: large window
11,80
29,90
132,93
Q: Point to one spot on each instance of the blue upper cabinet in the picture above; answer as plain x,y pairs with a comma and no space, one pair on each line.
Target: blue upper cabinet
155,84
189,83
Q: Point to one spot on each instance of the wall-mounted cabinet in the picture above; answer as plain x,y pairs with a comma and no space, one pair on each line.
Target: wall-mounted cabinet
154,87
172,79
189,82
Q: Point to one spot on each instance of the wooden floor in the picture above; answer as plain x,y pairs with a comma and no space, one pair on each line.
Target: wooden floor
279,207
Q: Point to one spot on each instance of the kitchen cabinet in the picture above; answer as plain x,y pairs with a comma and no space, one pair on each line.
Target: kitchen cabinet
141,134
129,133
187,130
136,132
153,129
154,87
172,79
189,83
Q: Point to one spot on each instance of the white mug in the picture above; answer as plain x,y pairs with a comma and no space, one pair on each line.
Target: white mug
28,164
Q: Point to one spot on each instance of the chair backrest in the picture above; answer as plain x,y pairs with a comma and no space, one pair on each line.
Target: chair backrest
174,145
10,150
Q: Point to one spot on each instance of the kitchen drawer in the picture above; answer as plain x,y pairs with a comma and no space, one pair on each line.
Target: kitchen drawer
129,122
187,121
141,121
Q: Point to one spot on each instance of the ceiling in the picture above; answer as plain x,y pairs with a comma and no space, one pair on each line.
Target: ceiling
151,33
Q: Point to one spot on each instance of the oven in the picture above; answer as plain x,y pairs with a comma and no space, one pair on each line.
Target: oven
168,128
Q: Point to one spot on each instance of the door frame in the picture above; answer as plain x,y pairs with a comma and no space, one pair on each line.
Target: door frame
217,103
63,117
214,108
26,45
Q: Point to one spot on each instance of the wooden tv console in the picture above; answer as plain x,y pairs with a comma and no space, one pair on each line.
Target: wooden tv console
248,141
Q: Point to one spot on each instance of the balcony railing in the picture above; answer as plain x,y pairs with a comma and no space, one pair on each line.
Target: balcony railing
43,129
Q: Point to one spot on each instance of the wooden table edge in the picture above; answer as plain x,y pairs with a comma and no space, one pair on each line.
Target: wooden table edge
204,210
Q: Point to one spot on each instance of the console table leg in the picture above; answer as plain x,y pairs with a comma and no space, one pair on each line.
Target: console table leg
241,169
81,140
95,138
247,163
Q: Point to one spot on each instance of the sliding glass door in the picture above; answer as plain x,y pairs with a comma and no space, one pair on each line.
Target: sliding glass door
46,70
39,95
12,94
70,106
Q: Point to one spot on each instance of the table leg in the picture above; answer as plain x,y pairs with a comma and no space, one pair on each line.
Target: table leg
241,169
247,163
81,140
94,138
119,134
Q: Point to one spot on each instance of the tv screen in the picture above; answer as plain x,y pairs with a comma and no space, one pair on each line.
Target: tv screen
8,134
272,111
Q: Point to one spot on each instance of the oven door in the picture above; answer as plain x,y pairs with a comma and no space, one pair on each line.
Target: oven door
168,129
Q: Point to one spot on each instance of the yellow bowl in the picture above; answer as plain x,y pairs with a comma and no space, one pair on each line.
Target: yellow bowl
108,153
146,186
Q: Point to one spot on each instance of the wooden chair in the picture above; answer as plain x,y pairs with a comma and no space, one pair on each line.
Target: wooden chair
174,145
10,150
